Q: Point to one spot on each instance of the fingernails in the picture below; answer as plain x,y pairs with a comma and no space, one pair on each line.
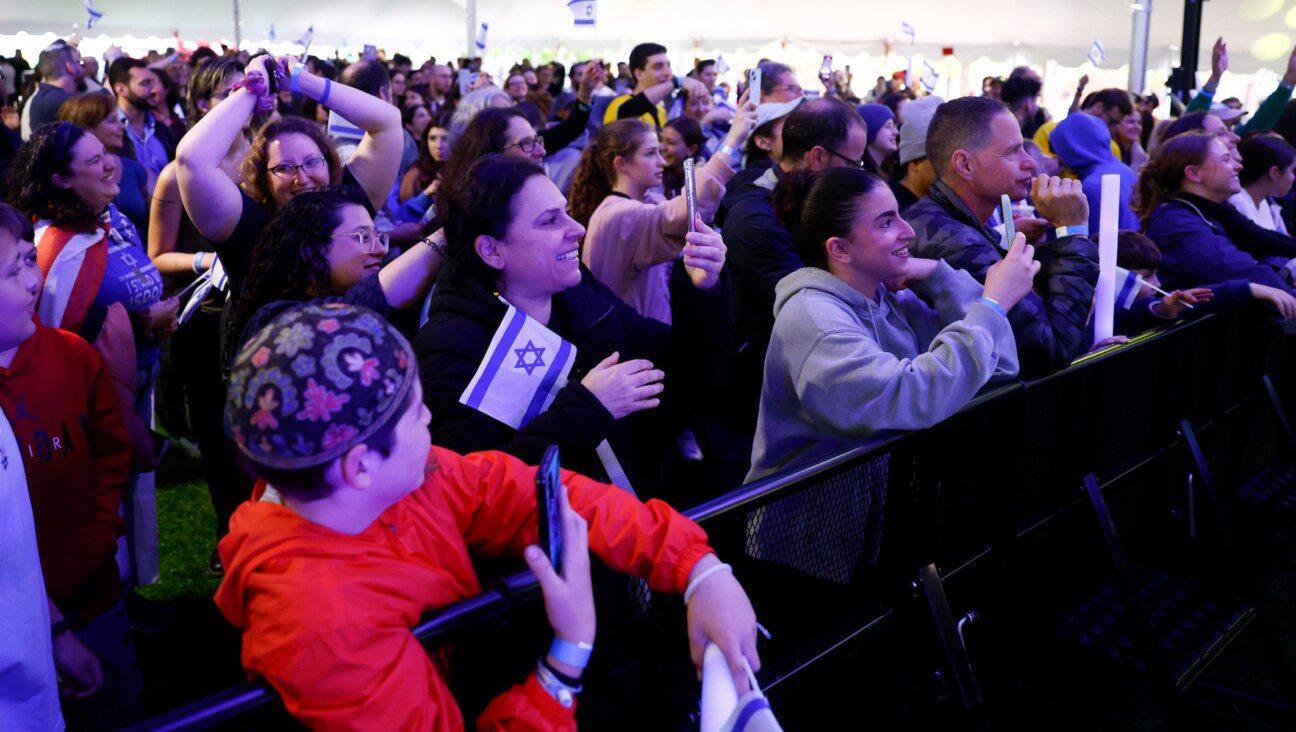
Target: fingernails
532,552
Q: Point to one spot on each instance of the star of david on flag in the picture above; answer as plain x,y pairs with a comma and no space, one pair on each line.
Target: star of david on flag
584,12
523,370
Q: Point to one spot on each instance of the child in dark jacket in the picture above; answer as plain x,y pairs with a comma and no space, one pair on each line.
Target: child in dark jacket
1140,255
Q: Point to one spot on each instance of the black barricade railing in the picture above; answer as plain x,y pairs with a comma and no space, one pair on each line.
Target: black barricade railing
974,495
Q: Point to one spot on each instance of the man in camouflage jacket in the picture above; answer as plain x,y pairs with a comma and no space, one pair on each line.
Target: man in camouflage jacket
982,157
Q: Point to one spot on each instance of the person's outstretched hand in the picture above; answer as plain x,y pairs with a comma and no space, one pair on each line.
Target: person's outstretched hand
1279,300
625,388
1008,280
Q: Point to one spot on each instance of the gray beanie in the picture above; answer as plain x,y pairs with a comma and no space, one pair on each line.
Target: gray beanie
915,118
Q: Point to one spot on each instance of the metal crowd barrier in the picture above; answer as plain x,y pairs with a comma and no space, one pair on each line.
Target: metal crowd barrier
889,572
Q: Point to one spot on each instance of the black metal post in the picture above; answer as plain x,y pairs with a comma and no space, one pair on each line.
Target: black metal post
1184,78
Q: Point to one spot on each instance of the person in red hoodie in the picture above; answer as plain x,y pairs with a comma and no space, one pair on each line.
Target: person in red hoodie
361,526
76,453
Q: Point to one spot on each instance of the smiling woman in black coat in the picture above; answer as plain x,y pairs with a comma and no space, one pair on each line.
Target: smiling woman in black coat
511,242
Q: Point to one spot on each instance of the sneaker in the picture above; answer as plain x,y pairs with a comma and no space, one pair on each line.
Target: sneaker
215,567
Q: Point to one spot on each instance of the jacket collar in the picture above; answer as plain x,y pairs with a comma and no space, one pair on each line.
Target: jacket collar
945,197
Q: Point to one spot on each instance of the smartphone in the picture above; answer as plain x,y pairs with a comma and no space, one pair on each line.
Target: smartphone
754,85
272,75
690,193
370,51
826,72
466,80
548,483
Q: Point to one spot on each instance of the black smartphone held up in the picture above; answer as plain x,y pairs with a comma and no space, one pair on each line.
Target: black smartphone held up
548,483
273,75
690,192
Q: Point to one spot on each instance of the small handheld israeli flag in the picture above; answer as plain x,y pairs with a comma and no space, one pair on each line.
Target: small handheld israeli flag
272,33
1097,53
584,12
523,370
908,30
305,40
929,76
722,68
1128,285
94,14
481,38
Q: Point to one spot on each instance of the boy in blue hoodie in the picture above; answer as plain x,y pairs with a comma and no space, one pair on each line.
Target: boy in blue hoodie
1083,143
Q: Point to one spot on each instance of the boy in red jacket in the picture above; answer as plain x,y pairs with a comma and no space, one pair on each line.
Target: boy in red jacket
65,417
364,527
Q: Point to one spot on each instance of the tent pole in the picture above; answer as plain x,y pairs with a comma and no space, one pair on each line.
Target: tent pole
1142,10
471,48
238,27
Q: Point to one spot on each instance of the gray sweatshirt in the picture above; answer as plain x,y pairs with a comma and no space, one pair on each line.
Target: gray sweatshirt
841,366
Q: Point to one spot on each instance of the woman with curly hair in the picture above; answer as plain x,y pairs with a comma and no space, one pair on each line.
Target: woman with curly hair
633,236
289,156
323,246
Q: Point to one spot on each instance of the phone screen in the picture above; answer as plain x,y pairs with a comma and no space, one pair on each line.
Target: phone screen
548,480
690,192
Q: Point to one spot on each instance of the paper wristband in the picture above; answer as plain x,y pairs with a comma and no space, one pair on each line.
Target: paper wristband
994,304
295,84
1077,230
572,654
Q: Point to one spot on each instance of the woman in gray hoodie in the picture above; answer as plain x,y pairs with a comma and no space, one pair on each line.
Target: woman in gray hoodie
866,337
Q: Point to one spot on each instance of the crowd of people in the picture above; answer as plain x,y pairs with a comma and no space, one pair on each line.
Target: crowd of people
371,294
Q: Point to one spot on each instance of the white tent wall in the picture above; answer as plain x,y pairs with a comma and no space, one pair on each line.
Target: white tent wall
988,37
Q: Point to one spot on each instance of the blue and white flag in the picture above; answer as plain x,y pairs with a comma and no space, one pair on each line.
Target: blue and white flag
94,14
272,32
722,68
1128,285
481,38
908,30
584,12
306,38
722,710
523,370
929,76
1097,53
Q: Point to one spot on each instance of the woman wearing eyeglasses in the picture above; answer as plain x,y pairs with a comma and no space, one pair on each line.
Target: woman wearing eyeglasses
323,245
289,157
633,236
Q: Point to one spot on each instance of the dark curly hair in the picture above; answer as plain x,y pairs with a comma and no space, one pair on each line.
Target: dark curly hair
482,204
290,260
484,134
48,152
255,174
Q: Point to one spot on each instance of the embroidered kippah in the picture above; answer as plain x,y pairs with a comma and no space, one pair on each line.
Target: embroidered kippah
316,381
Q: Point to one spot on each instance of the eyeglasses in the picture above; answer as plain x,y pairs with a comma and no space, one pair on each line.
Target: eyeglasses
371,240
527,144
857,163
793,89
289,170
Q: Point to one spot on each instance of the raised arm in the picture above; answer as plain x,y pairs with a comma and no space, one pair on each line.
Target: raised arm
164,227
214,202
376,162
406,279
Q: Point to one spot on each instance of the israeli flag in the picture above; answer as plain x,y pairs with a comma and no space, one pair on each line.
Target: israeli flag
481,38
584,12
929,76
1097,53
908,30
722,710
1128,285
94,14
272,33
722,68
525,366
306,38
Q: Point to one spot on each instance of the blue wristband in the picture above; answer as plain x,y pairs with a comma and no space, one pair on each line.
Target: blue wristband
993,304
572,654
1077,230
295,84
328,87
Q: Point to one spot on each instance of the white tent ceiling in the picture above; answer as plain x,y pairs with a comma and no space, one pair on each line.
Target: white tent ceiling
1259,31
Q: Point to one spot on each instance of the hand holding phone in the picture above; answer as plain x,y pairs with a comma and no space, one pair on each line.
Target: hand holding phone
568,596
548,486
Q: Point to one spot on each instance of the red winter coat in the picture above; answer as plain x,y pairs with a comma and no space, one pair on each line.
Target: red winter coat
326,616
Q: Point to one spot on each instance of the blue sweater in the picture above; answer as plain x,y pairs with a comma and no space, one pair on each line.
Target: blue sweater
1083,143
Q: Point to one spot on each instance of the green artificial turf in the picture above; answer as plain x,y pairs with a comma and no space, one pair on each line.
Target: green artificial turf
186,531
